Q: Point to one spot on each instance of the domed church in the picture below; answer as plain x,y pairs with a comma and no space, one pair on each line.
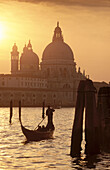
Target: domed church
54,80
58,58
59,68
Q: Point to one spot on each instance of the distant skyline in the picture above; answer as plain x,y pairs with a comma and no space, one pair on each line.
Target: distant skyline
85,26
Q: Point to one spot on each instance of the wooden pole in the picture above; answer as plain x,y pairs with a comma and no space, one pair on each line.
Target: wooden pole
20,111
78,122
103,107
11,112
43,113
91,120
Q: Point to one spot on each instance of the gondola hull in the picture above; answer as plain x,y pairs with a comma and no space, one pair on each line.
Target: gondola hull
37,135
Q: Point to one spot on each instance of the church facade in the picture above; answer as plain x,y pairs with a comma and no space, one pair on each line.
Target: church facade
54,80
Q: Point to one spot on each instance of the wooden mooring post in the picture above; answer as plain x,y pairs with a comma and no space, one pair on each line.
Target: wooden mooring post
91,120
43,110
11,112
85,98
78,122
20,111
103,107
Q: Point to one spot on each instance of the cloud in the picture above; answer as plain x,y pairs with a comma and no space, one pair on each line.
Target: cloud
90,3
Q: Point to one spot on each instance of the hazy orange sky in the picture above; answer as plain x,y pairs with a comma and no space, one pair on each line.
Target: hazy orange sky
85,26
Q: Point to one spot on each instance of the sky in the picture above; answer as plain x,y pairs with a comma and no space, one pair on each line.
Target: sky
85,26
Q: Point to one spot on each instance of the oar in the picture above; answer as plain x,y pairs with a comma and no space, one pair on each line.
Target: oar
40,123
43,114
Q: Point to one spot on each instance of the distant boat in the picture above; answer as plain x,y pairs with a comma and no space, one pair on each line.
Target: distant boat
58,107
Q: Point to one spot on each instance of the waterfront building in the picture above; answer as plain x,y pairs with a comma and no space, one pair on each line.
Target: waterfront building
55,79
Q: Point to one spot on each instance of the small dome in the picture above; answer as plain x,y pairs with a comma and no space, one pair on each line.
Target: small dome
29,57
28,54
29,60
14,51
29,46
58,29
14,48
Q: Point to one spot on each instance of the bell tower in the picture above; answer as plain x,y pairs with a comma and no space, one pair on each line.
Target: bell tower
14,59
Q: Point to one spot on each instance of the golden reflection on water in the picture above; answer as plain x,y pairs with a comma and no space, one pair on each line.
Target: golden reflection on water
47,154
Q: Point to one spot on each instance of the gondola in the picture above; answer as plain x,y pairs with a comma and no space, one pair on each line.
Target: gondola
37,135
41,133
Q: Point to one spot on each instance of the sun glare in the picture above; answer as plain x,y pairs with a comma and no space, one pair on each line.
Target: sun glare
1,31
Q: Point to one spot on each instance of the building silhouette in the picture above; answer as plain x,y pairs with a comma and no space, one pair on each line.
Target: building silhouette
55,79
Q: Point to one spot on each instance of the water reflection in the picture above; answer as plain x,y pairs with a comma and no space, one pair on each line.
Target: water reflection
87,162
46,154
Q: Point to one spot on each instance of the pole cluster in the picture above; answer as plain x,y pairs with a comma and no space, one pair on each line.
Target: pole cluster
97,120
103,107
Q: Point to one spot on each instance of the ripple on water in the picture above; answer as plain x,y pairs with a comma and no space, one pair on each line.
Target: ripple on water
46,154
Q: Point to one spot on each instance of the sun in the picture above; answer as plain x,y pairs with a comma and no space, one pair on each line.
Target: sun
1,31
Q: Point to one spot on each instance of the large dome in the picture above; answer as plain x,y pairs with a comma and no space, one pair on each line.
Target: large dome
58,49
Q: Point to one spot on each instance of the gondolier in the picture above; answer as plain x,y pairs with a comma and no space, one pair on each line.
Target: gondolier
49,113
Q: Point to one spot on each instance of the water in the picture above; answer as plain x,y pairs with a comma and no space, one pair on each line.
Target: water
46,154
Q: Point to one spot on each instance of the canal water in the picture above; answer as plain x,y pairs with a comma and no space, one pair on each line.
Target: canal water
47,154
